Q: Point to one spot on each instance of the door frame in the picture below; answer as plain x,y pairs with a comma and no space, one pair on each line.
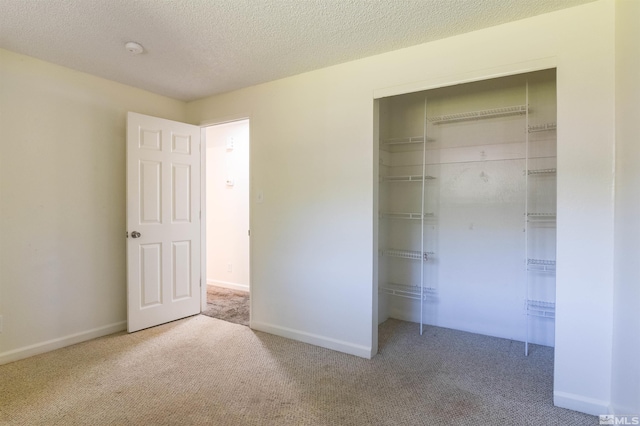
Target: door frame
203,200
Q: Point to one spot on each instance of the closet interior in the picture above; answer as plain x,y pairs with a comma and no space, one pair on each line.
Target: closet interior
467,207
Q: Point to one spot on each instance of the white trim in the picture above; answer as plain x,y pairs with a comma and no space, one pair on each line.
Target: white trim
580,403
203,217
224,120
619,410
468,77
314,339
61,342
226,284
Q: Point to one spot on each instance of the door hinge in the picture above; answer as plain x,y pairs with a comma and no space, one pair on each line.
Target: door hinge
200,282
249,232
127,234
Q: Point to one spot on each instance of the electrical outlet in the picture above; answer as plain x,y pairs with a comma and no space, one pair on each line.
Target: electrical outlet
229,267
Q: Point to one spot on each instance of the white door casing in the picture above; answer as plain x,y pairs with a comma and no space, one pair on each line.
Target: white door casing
163,206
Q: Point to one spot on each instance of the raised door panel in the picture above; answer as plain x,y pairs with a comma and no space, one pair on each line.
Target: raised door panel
150,275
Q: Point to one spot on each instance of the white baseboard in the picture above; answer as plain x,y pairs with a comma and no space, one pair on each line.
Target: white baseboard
226,284
50,345
314,339
580,403
619,410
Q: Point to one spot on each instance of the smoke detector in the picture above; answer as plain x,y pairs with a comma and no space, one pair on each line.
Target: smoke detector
134,48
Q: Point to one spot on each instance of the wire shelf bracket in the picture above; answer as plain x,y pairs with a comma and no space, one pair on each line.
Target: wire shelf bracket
412,140
407,178
409,291
402,215
539,308
541,217
541,265
542,127
541,171
408,254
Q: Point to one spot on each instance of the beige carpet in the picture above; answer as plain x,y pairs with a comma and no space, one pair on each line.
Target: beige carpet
227,305
203,371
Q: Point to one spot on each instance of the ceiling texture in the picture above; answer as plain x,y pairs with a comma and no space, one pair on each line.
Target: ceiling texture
198,48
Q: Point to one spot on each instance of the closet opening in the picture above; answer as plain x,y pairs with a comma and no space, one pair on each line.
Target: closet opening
466,190
226,221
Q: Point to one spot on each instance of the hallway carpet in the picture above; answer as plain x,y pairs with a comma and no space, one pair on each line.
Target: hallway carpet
227,305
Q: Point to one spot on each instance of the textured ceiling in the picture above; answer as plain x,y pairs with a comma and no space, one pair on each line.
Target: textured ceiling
197,48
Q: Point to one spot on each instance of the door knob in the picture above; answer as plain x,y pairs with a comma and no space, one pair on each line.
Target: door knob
135,234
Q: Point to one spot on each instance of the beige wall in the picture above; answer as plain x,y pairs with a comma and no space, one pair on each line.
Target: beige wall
62,192
626,337
313,158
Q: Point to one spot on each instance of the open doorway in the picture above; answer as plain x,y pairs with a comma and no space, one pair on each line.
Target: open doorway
226,164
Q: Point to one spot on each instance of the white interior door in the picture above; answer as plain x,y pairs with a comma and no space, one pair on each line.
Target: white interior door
163,221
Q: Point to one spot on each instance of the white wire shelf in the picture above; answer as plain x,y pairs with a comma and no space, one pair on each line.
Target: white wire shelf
542,127
409,291
539,308
541,217
541,265
402,215
407,254
541,171
406,178
412,140
479,115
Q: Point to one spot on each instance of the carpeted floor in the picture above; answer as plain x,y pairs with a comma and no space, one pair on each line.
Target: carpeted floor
202,371
227,305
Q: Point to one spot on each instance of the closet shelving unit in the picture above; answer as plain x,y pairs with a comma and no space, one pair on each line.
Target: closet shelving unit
470,200
420,291
534,222
533,307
